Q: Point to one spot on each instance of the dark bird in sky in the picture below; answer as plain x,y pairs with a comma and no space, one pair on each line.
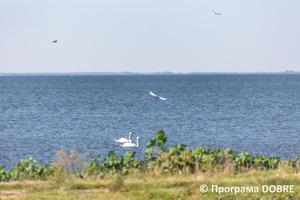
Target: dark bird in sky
216,13
157,96
54,41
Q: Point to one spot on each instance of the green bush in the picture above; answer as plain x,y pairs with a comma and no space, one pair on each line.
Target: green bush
157,157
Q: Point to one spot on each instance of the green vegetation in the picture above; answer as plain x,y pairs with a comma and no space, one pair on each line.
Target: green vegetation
163,173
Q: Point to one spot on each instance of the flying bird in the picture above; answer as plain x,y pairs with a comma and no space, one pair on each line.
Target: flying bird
216,13
54,41
157,96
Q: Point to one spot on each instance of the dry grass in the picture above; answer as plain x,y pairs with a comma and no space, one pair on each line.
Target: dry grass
70,163
151,186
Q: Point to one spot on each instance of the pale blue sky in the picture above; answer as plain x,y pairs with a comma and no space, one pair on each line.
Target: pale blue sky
149,36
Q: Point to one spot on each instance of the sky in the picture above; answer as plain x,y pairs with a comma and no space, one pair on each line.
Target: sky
149,36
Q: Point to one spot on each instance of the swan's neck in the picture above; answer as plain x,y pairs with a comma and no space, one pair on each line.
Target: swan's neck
137,142
129,136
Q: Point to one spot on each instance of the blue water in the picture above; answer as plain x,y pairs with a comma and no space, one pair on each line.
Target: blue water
254,113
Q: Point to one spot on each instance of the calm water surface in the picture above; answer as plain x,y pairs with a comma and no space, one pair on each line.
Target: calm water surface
254,113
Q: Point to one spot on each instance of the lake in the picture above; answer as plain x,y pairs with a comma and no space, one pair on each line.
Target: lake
253,113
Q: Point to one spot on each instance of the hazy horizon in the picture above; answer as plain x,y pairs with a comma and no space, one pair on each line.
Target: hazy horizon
146,73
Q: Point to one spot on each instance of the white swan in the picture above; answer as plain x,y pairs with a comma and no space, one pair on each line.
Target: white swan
157,96
124,140
131,144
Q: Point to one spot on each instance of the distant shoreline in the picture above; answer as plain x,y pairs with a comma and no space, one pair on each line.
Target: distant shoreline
150,73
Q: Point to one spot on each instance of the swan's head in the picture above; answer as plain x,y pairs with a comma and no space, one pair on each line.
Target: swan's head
130,133
138,138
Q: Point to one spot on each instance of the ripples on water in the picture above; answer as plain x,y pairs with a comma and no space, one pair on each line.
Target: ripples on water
254,113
